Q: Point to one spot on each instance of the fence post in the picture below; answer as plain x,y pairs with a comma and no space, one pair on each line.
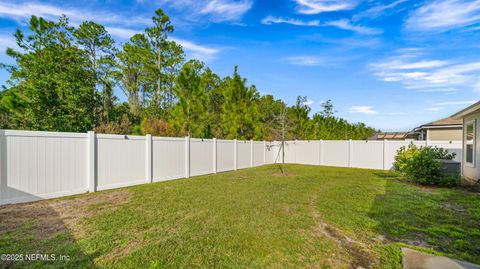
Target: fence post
91,162
350,155
264,152
187,156
3,158
320,153
149,158
214,155
385,154
251,153
295,151
235,154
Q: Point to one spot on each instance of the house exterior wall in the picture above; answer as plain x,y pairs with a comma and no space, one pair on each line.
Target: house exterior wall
446,134
471,172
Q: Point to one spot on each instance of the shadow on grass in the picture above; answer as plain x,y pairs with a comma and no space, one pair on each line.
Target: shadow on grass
37,235
434,219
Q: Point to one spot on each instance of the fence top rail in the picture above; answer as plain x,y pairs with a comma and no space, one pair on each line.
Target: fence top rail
121,137
26,133
165,138
201,139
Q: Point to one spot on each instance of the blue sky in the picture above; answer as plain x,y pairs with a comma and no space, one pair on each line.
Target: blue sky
393,64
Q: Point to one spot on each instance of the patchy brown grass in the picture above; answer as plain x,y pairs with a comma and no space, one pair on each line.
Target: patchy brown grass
50,217
359,255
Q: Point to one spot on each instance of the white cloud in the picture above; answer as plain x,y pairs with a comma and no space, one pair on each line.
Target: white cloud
379,10
442,105
442,15
269,20
347,25
367,110
194,50
210,10
22,11
428,75
319,6
342,24
197,51
305,60
456,103
123,33
7,41
402,65
225,10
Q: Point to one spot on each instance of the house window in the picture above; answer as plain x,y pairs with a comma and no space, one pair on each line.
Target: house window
470,143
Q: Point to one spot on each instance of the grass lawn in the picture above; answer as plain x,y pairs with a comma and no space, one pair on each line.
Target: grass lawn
317,217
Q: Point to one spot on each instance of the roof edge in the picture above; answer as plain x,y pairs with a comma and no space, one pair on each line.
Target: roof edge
468,110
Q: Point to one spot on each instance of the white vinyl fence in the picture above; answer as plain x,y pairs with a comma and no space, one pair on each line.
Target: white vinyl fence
349,153
39,165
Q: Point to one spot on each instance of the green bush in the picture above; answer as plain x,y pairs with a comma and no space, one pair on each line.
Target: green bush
421,165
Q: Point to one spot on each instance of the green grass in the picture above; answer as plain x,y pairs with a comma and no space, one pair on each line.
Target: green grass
254,219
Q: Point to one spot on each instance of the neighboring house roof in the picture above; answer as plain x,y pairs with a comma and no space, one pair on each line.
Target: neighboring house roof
442,123
392,135
469,110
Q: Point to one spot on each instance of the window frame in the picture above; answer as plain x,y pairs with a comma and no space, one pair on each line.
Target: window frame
473,123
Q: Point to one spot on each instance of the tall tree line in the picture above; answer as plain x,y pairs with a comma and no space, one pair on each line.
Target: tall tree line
64,79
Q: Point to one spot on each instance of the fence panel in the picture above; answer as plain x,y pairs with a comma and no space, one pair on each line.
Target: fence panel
38,165
367,154
290,152
243,154
307,152
335,153
121,161
225,156
168,158
201,156
391,150
258,153
450,146
272,152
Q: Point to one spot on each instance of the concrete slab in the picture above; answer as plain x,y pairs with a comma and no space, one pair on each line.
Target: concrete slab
413,259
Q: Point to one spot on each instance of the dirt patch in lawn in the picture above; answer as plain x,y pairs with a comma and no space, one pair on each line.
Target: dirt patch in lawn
50,217
360,255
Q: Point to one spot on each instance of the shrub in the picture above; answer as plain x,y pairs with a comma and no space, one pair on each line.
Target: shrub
421,165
